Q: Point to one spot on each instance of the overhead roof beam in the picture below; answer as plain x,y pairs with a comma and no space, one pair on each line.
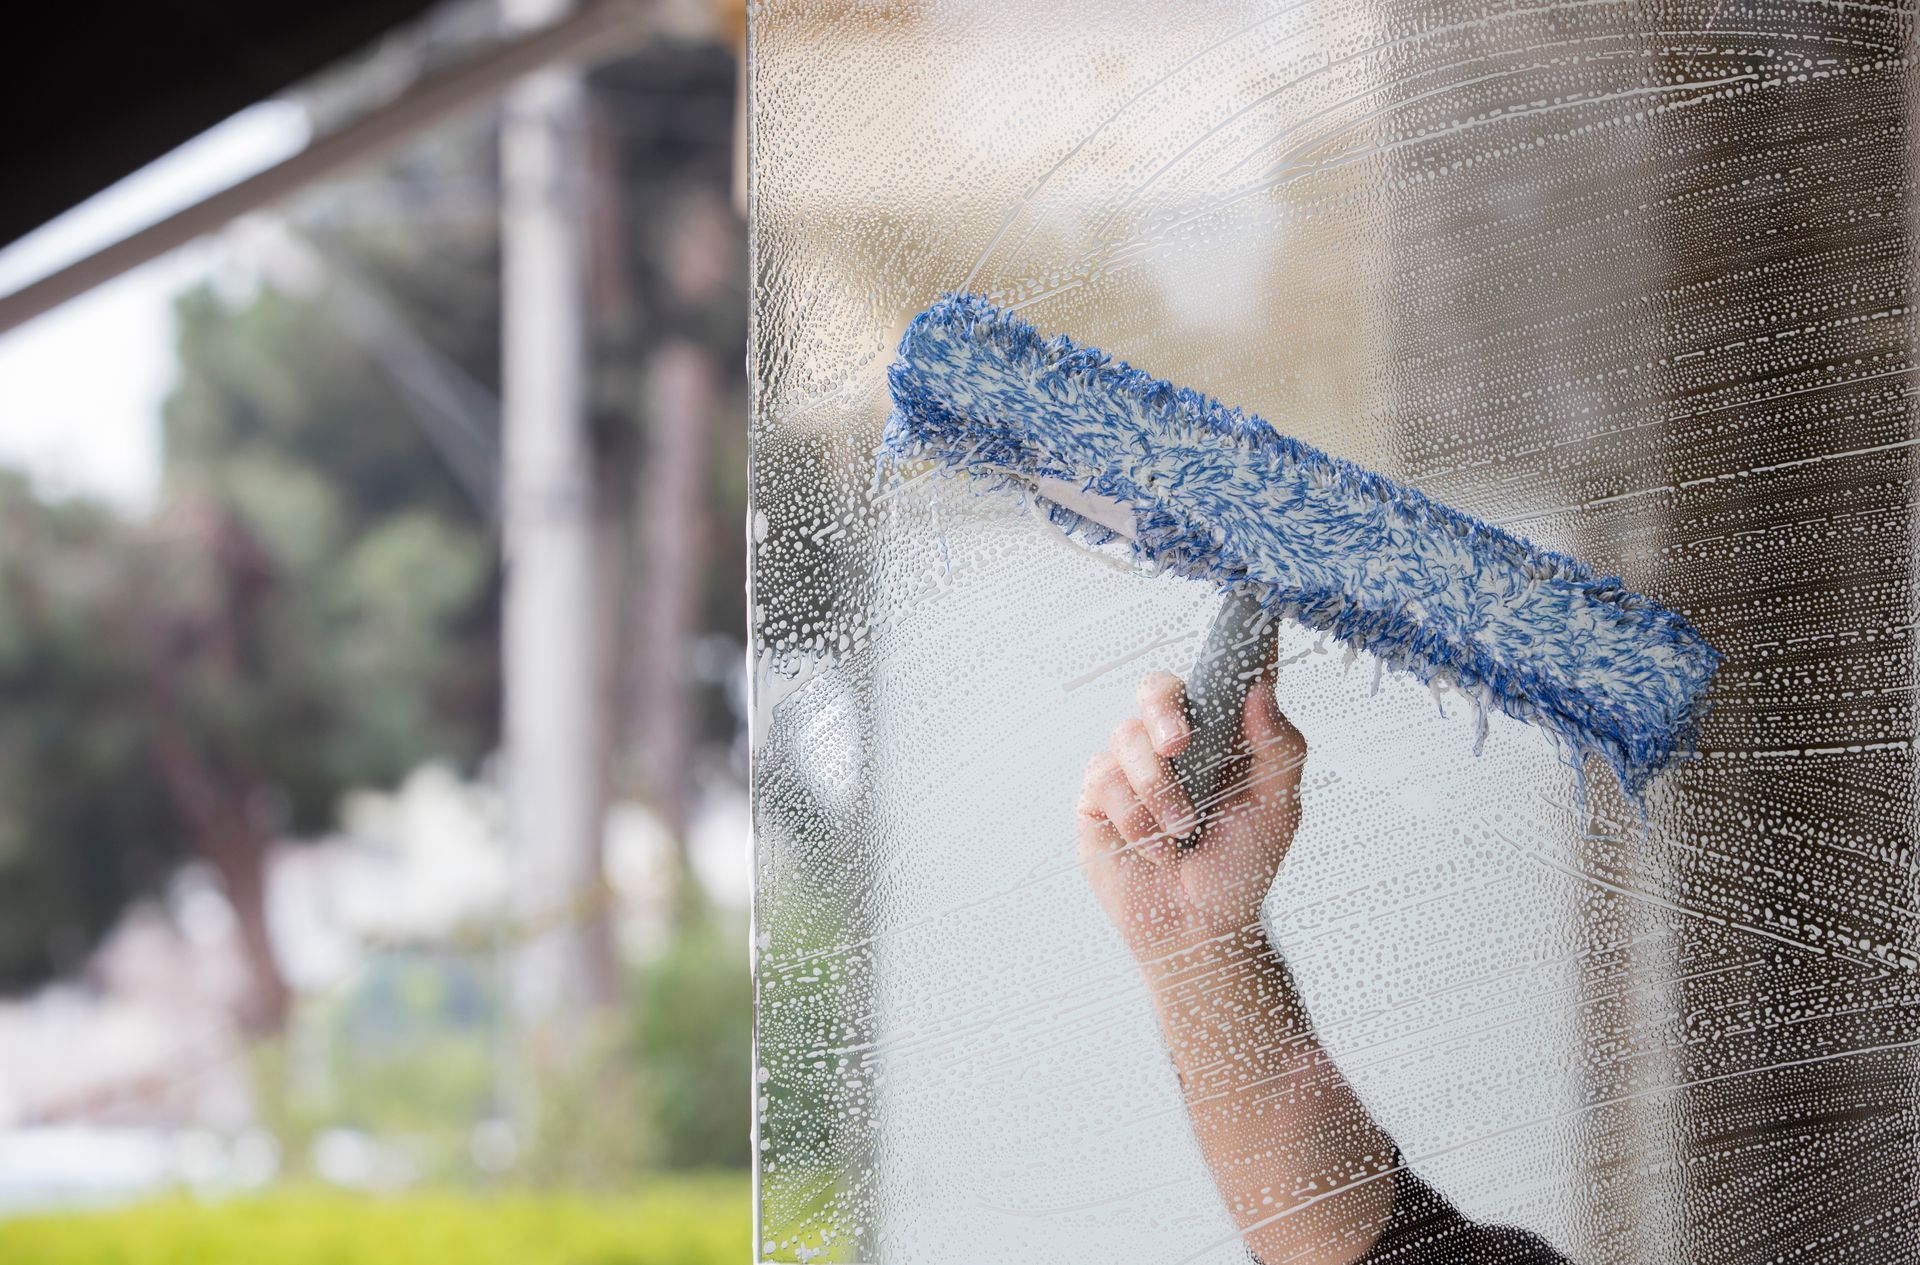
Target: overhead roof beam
593,27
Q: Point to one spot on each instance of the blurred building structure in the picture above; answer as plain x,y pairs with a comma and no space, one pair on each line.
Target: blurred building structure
135,1076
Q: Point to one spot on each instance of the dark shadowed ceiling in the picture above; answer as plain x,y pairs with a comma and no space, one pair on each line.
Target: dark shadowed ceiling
93,92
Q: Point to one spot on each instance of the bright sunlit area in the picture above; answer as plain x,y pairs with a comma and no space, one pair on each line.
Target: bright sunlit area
83,386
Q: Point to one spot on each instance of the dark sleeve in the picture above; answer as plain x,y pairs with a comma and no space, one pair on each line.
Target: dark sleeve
1424,1229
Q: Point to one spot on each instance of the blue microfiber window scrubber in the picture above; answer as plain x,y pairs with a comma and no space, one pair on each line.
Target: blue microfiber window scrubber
1286,531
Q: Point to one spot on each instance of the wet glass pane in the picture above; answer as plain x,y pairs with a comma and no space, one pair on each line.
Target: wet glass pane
1632,281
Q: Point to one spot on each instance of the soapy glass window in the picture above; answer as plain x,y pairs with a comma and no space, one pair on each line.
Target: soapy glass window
1633,282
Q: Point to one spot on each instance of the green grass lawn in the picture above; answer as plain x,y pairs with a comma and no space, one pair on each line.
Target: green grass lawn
671,1221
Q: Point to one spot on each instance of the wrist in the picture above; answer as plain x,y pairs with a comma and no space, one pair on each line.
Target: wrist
1221,993
1170,965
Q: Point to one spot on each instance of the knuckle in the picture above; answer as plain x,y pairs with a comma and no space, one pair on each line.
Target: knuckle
1285,740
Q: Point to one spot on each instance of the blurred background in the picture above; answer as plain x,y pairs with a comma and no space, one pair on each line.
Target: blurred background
374,842
374,846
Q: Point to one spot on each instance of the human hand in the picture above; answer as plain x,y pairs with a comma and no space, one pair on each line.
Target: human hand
1169,900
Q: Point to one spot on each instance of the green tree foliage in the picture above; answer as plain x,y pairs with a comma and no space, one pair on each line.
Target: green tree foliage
691,1033
378,647
667,1085
80,827
313,608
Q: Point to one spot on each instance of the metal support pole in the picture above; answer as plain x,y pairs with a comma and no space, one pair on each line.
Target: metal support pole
553,731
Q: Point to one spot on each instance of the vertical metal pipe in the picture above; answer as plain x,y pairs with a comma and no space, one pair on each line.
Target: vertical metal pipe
553,766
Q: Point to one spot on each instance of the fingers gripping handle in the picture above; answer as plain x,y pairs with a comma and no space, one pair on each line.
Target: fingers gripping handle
1238,646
